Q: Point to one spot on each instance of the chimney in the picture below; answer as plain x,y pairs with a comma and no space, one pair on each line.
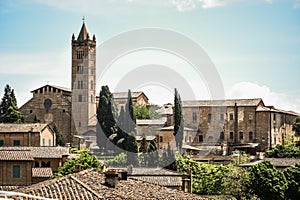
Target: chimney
112,178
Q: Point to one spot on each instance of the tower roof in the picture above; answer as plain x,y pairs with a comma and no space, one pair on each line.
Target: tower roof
83,33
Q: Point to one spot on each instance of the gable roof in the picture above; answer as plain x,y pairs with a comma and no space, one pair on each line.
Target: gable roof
41,152
21,128
124,95
54,86
15,155
89,184
227,102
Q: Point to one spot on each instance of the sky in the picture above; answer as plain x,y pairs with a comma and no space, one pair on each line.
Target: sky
253,44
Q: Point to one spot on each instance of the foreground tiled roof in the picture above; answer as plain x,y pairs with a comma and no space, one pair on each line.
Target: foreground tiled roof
41,152
41,172
227,102
21,128
156,176
89,184
15,155
8,187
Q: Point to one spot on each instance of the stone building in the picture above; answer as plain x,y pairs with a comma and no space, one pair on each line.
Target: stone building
69,110
26,135
120,99
28,165
245,124
15,167
83,80
51,104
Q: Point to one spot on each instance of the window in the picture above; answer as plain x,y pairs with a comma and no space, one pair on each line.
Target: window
79,124
30,111
194,116
222,117
274,117
1,143
241,135
222,136
231,116
231,136
16,171
92,85
80,54
161,139
43,142
200,138
79,69
36,164
80,98
49,142
79,84
190,139
250,135
16,143
209,116
210,138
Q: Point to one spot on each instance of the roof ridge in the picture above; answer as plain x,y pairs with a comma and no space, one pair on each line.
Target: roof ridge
86,186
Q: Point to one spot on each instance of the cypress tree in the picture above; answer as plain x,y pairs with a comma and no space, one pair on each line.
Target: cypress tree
9,112
178,121
106,116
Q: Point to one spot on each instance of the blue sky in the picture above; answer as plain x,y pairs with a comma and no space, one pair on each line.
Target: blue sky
255,44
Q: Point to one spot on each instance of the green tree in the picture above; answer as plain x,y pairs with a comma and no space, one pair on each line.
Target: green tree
292,175
106,116
82,162
235,183
9,112
267,182
178,121
207,179
296,126
118,161
146,112
286,151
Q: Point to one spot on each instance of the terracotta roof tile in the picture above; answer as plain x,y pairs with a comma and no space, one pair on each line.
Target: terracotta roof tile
17,155
227,102
41,172
41,152
21,128
89,184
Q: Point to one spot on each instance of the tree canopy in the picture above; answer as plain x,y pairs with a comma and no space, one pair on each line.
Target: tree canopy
82,162
9,112
296,126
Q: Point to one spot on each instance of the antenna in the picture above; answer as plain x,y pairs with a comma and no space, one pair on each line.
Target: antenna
83,19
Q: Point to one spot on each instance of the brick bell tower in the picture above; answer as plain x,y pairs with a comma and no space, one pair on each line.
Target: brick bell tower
83,80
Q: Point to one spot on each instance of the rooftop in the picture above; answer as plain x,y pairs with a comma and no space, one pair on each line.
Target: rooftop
41,172
15,155
40,152
54,86
124,95
89,184
21,128
227,102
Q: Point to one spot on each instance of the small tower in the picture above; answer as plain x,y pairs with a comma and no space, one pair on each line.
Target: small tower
83,80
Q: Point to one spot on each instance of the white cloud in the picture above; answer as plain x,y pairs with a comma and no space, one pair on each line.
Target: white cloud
252,90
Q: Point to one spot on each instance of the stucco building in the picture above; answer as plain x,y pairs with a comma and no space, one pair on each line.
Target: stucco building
26,135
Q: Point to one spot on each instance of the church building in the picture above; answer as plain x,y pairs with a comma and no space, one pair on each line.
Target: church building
70,111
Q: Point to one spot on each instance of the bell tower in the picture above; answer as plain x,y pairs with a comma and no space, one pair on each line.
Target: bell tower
83,79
